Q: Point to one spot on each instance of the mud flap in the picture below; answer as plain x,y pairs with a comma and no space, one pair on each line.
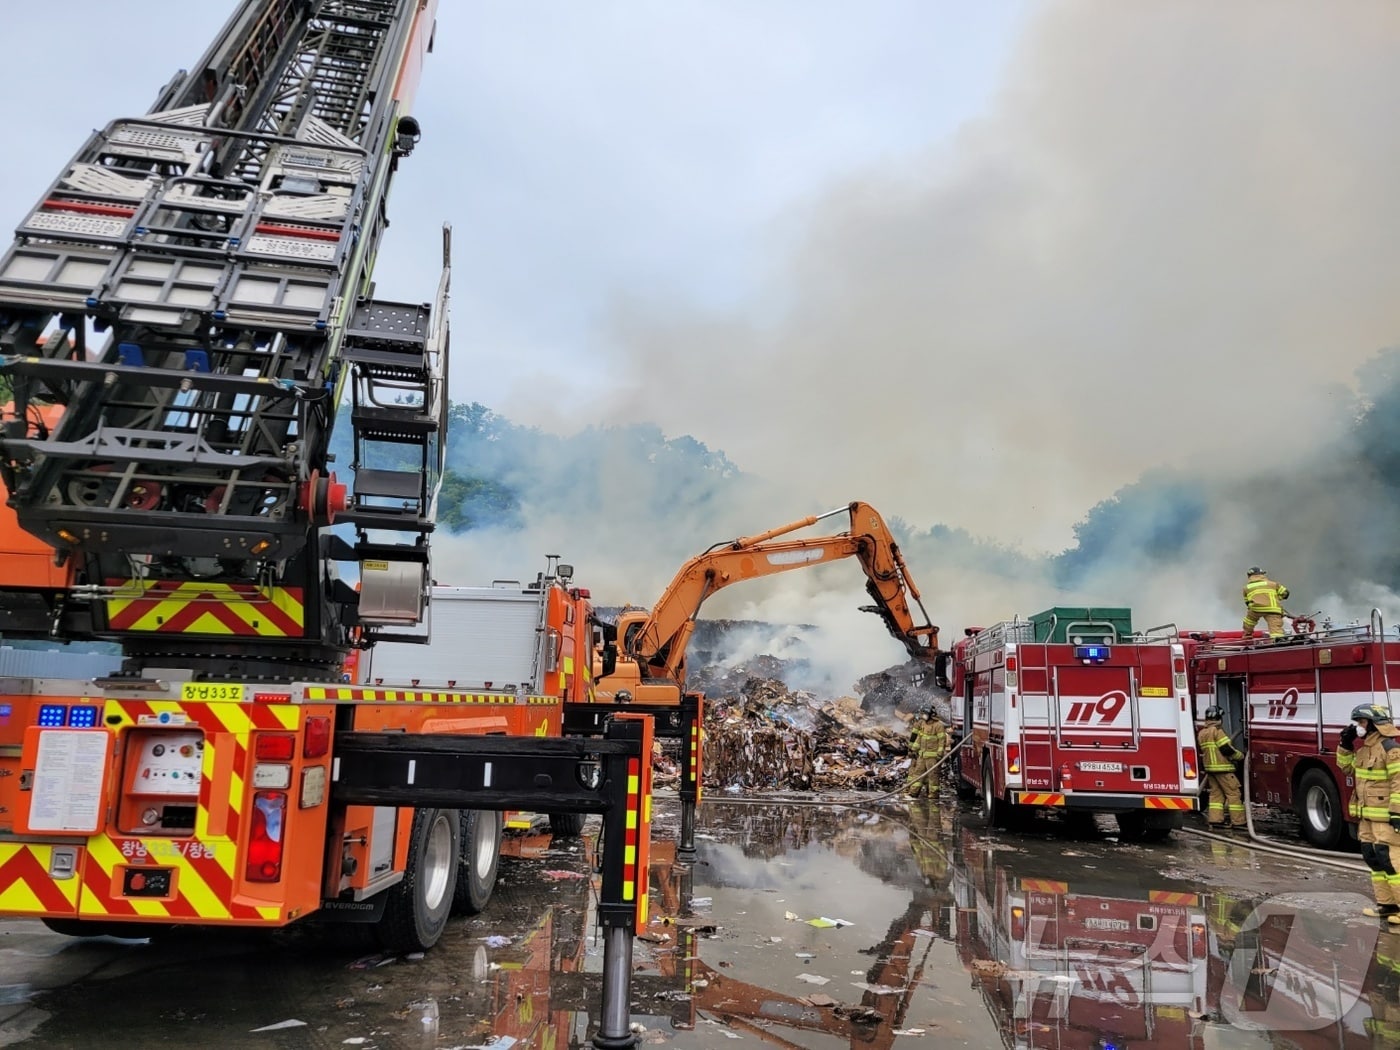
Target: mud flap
371,910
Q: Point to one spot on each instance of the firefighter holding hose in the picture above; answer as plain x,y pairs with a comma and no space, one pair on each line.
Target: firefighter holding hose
928,741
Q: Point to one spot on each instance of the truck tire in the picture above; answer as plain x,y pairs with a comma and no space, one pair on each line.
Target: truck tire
479,861
1319,806
993,808
966,789
419,904
566,825
1141,825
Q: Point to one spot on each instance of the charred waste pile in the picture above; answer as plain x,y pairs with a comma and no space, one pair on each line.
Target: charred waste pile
769,726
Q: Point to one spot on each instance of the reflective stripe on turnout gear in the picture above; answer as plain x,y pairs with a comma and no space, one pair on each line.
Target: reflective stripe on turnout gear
1375,763
1264,595
1212,742
930,739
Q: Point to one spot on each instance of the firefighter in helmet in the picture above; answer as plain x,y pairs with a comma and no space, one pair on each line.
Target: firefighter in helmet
1263,600
1218,756
928,741
1368,749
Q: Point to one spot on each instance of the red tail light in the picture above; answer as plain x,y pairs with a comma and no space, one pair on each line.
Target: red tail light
1188,762
1198,940
1011,663
1013,758
318,737
1066,778
275,747
1018,923
265,837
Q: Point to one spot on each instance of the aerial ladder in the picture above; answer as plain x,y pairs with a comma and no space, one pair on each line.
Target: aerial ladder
183,316
194,292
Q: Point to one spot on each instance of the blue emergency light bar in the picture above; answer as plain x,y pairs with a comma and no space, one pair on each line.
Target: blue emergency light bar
1092,654
53,716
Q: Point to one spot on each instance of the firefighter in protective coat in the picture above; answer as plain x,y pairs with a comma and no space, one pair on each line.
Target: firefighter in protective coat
1370,751
1263,600
1225,807
928,741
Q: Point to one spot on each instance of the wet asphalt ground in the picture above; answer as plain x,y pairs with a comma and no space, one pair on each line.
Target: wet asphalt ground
799,925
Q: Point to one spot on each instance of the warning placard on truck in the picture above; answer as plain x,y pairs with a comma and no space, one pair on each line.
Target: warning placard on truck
70,769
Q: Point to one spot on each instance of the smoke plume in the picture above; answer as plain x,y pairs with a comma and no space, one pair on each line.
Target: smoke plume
1135,295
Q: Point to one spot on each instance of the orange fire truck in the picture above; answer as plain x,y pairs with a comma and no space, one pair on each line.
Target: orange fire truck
1287,701
1069,710
184,317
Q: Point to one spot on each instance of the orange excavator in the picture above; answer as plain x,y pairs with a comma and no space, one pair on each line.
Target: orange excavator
642,661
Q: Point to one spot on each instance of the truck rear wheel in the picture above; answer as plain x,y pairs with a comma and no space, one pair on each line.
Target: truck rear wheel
1142,825
566,825
418,906
479,861
1319,807
993,808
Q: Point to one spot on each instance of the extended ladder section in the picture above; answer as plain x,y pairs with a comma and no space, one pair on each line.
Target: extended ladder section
398,356
194,289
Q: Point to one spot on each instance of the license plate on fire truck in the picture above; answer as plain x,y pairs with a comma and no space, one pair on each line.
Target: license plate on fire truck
1101,767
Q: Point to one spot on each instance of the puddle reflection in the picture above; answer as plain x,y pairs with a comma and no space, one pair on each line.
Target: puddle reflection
812,927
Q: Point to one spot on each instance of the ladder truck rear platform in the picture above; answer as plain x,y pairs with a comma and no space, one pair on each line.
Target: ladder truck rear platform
1070,710
185,315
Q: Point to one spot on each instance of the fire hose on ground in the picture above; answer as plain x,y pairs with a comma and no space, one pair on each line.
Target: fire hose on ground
1267,845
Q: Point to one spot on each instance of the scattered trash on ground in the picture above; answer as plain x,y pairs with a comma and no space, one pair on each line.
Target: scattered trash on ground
278,1026
761,735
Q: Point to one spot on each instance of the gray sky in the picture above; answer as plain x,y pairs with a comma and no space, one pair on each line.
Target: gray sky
587,154
976,263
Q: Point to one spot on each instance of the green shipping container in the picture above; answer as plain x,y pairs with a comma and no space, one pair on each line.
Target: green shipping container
1082,626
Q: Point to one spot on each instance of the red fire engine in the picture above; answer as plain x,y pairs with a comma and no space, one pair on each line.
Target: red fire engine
1063,966
1285,702
1070,710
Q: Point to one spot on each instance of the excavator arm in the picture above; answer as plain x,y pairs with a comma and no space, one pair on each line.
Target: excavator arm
658,642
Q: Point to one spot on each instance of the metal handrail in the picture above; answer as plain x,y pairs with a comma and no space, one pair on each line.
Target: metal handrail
1171,633
1378,627
1013,630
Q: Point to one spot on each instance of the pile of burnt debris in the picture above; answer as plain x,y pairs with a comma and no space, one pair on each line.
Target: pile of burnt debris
762,735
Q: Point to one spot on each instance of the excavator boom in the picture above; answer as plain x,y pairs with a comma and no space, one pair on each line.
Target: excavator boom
660,642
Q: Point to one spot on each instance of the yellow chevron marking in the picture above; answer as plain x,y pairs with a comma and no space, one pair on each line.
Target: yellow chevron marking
20,896
189,884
